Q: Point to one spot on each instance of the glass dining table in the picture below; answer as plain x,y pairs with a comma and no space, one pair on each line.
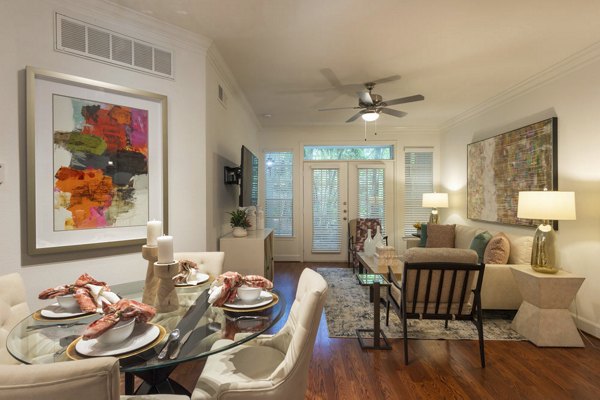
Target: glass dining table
37,340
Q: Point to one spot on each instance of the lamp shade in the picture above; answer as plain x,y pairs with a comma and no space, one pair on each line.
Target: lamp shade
435,200
370,116
546,205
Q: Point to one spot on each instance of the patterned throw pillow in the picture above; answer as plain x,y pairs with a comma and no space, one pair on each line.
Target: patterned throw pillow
440,235
497,250
479,243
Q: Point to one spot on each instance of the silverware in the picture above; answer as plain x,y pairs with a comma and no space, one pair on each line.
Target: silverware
42,326
173,336
175,353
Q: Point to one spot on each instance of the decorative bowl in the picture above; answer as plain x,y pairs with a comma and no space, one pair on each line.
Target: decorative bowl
67,302
118,333
248,293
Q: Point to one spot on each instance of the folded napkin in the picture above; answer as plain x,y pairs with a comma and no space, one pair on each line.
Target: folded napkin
187,271
101,295
224,288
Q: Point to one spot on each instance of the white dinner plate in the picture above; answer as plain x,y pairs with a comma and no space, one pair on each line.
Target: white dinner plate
142,335
201,279
56,311
262,300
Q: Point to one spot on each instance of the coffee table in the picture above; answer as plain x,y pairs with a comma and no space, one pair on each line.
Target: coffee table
50,343
376,281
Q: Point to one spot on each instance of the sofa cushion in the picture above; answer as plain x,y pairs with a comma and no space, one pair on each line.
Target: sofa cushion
497,250
423,241
440,235
520,249
479,243
464,234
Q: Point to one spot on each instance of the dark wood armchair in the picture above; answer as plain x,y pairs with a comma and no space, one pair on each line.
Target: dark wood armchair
438,290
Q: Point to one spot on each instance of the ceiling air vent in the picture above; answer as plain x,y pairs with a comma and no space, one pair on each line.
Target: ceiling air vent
91,41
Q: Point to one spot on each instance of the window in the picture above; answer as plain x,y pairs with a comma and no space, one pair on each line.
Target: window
371,194
418,179
279,193
321,153
327,229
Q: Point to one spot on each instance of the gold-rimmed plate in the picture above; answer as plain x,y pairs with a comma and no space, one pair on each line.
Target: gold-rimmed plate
260,307
144,337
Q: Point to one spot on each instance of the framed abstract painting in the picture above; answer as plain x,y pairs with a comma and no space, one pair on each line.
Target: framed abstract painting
96,163
500,167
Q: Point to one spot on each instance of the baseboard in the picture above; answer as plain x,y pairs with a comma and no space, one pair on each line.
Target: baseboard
589,327
288,258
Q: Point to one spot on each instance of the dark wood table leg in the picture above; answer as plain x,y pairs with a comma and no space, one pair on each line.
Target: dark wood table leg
376,322
129,383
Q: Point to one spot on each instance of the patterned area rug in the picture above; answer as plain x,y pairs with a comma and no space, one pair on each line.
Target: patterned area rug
348,308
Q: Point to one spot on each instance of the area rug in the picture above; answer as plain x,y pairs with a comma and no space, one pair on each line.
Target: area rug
348,308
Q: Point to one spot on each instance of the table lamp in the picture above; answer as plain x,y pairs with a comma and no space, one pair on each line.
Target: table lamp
435,201
545,205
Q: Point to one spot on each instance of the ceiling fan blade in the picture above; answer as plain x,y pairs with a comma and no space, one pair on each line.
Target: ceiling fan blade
339,108
402,100
365,98
355,116
391,111
387,79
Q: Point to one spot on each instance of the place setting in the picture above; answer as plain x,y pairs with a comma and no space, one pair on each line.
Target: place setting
189,275
241,294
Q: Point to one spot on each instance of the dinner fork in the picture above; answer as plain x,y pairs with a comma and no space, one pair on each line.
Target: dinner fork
42,326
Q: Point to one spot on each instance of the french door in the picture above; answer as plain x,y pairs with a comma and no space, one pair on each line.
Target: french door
334,193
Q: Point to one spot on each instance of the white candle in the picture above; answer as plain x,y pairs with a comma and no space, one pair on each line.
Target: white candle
165,249
154,230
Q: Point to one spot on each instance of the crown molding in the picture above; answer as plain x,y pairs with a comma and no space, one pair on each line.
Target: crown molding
556,71
216,60
132,23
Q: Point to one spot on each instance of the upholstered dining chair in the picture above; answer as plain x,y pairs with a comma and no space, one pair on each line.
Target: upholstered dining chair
442,284
209,262
270,367
90,379
13,308
357,234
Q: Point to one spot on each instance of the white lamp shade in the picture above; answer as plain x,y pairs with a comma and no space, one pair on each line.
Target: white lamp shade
546,205
435,200
370,116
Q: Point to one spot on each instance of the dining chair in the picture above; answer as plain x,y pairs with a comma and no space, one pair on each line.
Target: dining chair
269,367
13,308
357,234
439,284
209,262
90,379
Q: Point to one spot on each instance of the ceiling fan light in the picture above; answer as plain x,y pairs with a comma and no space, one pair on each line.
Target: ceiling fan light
370,116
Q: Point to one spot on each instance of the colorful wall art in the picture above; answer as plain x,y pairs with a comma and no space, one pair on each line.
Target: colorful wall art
500,167
100,164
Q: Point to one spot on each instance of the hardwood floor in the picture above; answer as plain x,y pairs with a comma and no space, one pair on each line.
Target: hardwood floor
438,369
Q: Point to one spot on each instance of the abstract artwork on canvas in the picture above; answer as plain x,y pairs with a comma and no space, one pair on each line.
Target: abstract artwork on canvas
100,163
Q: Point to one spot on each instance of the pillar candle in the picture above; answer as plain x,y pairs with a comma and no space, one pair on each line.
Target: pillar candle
154,230
165,249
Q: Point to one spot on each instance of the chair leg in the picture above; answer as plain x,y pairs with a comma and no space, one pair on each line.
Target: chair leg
387,312
404,327
480,332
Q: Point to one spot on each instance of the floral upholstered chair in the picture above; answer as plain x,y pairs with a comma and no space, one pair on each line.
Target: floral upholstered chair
357,234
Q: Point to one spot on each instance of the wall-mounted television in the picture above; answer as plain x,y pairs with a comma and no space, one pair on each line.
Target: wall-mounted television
248,177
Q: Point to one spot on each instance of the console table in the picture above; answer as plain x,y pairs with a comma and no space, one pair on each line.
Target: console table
543,317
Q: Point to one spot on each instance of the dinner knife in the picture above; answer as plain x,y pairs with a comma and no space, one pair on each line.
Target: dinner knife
184,339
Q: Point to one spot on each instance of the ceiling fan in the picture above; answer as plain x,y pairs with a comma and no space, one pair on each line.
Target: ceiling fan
371,105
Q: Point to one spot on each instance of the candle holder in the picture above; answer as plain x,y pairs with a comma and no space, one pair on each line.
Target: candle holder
166,299
150,253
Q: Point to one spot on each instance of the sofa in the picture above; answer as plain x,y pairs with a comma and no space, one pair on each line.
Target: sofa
499,290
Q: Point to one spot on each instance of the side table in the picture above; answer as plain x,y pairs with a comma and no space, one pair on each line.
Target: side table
543,317
411,241
375,281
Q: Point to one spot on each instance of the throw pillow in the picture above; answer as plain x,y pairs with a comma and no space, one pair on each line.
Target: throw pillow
423,240
440,236
520,249
479,243
497,250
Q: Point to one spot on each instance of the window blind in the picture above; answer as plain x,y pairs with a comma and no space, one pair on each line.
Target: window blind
371,195
418,179
326,228
279,193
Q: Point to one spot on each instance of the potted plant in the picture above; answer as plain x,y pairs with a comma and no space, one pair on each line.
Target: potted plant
417,226
239,221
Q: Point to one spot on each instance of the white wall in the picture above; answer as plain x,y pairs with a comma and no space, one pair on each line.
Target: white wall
229,127
574,98
294,138
26,37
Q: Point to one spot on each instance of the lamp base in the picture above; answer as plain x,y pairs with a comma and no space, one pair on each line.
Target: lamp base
541,252
434,217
